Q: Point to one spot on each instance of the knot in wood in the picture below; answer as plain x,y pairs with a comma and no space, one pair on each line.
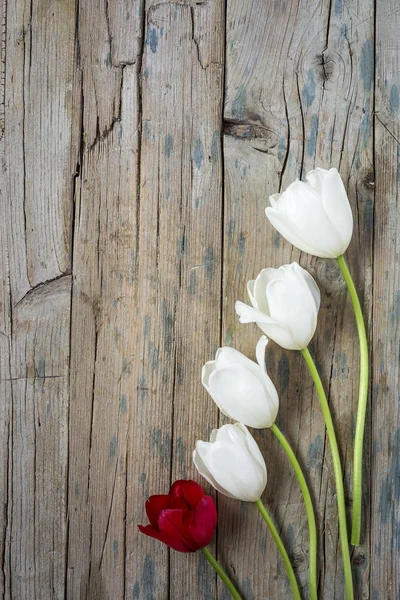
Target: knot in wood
327,66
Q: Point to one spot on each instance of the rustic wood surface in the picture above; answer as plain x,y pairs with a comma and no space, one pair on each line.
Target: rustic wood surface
139,141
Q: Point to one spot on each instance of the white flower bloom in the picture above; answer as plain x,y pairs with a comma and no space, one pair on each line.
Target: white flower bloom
285,305
232,462
314,216
241,388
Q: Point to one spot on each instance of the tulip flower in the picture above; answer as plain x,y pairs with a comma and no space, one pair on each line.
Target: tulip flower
314,216
232,462
241,388
185,519
285,305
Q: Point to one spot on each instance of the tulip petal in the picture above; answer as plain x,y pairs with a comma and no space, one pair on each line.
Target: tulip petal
271,391
172,542
154,505
238,474
200,457
248,314
260,352
204,522
250,291
290,233
304,221
171,522
230,356
293,303
314,289
274,199
274,330
337,207
316,179
189,491
206,371
242,396
260,287
252,446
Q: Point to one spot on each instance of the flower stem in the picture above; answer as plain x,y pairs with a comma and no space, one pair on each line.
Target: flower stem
219,570
362,404
337,467
281,548
312,529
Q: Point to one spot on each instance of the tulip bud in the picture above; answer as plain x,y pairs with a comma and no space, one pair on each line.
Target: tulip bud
184,519
285,305
315,216
241,388
232,462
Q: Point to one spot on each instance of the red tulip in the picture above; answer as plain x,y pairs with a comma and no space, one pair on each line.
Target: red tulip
185,519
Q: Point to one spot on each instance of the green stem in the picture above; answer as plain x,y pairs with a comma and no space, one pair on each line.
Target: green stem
219,570
337,467
281,548
362,404
312,529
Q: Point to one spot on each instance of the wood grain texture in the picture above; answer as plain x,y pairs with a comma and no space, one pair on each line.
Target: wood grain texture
385,473
139,141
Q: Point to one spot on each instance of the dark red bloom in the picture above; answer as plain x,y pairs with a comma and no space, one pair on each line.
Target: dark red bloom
185,519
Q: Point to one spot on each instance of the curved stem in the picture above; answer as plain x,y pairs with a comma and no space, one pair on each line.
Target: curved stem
337,467
312,529
219,570
281,548
362,404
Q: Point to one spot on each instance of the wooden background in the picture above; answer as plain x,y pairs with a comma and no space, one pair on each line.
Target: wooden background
139,141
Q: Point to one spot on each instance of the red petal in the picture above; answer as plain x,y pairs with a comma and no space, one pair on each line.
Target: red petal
189,490
172,542
170,522
154,505
204,522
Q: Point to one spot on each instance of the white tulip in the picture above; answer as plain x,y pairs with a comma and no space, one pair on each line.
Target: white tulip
241,388
232,462
315,216
285,305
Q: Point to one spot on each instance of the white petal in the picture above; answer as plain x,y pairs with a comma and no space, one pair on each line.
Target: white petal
260,352
206,371
337,207
306,220
314,289
274,199
287,230
236,472
242,396
230,434
247,314
252,445
250,291
274,330
230,356
316,178
291,303
260,288
200,457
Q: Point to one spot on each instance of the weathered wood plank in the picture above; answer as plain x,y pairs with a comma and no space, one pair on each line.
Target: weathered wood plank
299,93
104,299
36,204
385,497
179,274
